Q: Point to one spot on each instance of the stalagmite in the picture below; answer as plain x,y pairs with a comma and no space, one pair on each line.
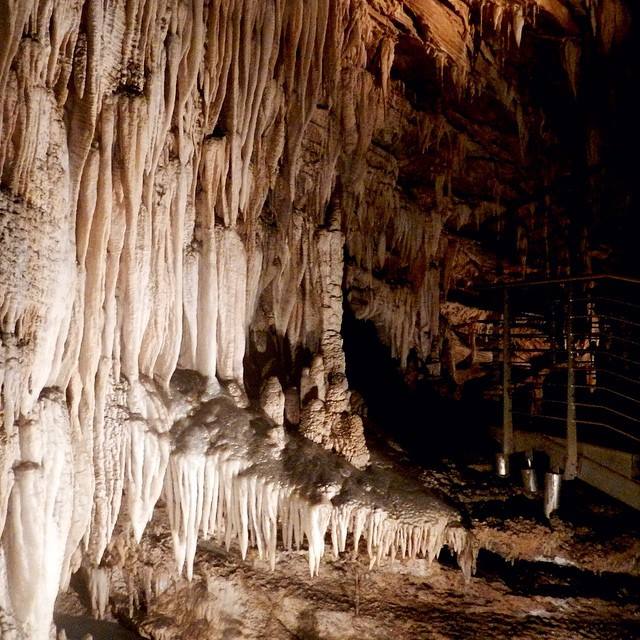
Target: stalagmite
272,400
99,591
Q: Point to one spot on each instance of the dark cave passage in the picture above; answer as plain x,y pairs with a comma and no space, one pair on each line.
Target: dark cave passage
427,424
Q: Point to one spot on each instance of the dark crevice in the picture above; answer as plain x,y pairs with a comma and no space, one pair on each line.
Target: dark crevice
406,406
526,578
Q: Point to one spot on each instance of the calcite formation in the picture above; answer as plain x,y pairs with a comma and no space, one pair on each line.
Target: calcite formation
191,186
237,477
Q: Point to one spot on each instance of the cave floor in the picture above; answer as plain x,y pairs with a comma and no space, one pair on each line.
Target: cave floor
590,532
574,577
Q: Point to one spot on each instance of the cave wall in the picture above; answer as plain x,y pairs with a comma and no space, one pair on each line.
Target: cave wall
186,183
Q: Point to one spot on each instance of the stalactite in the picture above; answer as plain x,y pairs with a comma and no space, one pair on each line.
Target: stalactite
386,62
612,18
571,63
518,24
217,486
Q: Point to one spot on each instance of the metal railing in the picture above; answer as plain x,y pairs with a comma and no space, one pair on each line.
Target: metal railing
568,351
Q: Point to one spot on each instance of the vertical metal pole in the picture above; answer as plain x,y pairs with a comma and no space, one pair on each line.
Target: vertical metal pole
553,331
571,463
507,408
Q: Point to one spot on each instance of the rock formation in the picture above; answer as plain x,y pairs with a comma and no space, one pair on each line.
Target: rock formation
201,186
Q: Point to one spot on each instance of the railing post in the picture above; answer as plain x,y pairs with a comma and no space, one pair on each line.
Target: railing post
507,409
571,462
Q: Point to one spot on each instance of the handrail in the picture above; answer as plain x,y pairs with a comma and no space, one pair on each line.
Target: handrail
597,406
615,356
583,331
635,343
606,316
523,284
608,372
599,298
597,387
604,425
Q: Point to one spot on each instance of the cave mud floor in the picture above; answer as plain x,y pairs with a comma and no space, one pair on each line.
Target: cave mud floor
574,577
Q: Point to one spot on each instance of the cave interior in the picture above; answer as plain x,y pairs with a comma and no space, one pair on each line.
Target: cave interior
319,319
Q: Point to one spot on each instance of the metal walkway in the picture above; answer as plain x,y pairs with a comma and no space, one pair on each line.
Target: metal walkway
568,354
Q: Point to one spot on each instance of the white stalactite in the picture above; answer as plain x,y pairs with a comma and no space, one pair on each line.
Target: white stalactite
228,481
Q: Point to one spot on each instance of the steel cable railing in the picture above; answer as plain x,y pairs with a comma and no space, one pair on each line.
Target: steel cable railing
568,350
